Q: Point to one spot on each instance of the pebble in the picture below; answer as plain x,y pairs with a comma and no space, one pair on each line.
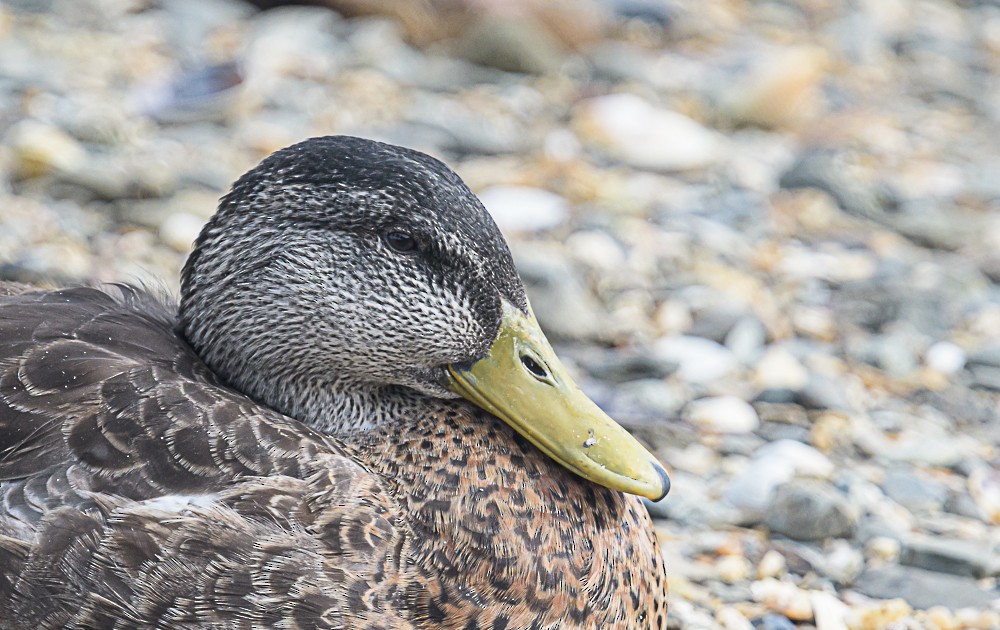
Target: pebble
829,612
38,148
923,589
970,558
809,510
560,300
524,209
779,369
779,462
180,229
945,357
782,88
698,360
651,395
783,598
771,565
515,43
772,621
821,392
629,128
914,492
984,488
722,414
732,569
882,549
732,619
746,338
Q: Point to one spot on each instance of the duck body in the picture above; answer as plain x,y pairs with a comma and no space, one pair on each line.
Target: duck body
140,489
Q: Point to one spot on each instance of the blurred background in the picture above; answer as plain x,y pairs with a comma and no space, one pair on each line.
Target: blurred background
765,235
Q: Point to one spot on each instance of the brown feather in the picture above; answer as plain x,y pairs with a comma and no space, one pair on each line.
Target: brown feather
139,492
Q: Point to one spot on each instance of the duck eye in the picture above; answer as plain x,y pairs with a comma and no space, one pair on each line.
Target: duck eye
401,241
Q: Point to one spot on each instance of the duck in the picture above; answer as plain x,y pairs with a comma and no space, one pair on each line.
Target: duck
349,419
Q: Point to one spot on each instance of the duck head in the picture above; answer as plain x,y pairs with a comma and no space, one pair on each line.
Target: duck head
343,280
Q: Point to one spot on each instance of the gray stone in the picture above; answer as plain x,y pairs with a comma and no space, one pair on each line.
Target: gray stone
988,356
715,323
513,43
969,558
699,360
985,377
777,396
648,396
775,431
561,302
822,393
809,510
462,130
915,492
746,338
690,503
622,367
840,562
774,621
923,589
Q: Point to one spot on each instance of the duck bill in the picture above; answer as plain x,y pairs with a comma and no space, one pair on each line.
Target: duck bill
522,382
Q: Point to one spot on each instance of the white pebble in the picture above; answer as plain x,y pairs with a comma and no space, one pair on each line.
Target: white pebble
699,360
778,368
771,565
523,208
723,414
805,460
732,619
945,357
180,229
829,611
633,130
596,249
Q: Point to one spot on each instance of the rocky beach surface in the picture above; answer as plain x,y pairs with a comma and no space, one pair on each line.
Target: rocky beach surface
764,235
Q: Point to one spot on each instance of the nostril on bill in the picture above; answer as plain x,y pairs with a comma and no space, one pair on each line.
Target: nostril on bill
534,367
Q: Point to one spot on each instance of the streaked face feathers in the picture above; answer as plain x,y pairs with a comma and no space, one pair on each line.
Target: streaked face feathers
313,234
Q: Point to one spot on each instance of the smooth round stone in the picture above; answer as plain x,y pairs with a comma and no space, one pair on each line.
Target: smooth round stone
179,230
777,463
651,395
984,487
784,598
945,357
810,510
779,369
829,612
751,489
771,565
722,414
633,130
922,588
843,561
772,621
699,360
804,459
746,338
596,249
781,89
38,148
732,619
524,209
915,492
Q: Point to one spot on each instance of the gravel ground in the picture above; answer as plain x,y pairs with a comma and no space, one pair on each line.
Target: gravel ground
764,234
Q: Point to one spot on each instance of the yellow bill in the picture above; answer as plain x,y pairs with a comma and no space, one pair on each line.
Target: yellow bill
522,382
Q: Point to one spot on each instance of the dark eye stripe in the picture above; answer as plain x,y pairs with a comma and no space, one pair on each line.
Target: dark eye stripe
401,242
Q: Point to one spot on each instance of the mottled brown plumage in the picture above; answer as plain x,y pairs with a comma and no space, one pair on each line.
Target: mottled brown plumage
140,491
